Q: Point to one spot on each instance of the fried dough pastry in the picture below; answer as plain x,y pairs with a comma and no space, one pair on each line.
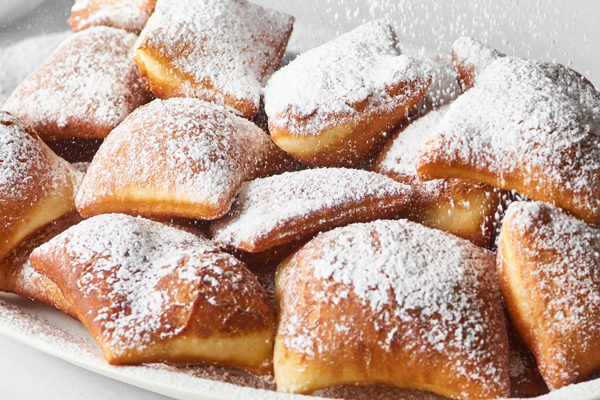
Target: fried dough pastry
36,186
526,126
130,15
221,51
149,292
280,209
463,208
393,303
17,276
470,57
549,269
87,86
177,158
331,106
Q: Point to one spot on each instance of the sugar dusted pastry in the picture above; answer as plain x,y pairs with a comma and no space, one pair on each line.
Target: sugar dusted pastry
177,158
392,303
36,186
18,276
272,211
222,51
463,208
332,105
87,86
549,269
130,15
149,292
526,126
470,57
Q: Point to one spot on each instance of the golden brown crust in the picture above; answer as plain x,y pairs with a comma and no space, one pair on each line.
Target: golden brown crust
346,325
17,276
85,88
548,270
36,186
148,292
177,158
130,15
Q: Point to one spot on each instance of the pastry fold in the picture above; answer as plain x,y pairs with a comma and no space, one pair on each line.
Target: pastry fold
130,15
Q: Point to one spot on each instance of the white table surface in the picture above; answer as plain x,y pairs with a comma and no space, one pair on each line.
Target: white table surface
28,374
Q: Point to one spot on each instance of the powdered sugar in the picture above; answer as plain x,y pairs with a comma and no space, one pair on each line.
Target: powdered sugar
417,282
474,54
132,276
538,121
561,255
28,171
331,82
90,80
232,47
130,15
194,150
329,195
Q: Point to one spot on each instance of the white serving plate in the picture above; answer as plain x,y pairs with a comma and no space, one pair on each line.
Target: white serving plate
548,29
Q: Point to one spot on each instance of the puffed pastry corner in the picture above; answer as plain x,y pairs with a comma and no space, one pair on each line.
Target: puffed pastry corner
150,292
392,303
549,269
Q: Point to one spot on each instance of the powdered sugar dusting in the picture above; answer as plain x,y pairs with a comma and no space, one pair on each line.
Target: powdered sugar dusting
130,15
332,81
566,278
417,282
538,120
231,46
474,54
90,80
126,266
301,195
186,147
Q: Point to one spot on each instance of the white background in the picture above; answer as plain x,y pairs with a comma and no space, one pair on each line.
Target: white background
566,31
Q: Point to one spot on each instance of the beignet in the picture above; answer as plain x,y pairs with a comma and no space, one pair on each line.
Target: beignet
149,292
177,158
527,126
85,88
332,105
36,186
272,211
221,51
130,15
393,303
463,208
549,269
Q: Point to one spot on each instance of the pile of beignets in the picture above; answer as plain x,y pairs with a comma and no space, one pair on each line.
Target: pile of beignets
378,191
